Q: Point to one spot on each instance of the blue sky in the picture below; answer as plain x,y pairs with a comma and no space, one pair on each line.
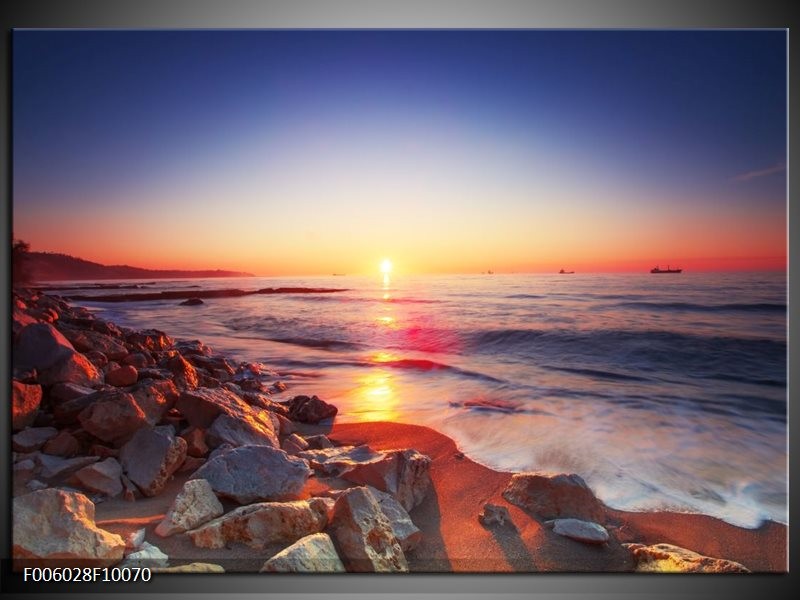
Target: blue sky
405,142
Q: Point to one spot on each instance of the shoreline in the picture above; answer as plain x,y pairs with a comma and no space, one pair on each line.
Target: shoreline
452,539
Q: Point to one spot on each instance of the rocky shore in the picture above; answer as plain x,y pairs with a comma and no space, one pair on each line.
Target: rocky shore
134,449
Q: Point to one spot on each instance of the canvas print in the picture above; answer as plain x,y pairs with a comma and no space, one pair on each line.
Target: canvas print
399,301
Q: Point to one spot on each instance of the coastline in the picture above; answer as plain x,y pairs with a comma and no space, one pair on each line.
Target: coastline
452,537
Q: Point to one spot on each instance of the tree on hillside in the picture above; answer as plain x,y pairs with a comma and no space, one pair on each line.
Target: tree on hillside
19,258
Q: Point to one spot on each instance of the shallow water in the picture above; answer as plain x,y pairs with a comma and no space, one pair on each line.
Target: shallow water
662,391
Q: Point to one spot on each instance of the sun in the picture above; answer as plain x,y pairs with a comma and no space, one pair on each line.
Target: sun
386,266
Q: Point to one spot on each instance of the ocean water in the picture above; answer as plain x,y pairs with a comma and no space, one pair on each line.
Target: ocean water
661,391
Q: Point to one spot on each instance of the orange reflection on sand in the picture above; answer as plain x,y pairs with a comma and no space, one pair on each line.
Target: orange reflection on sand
375,398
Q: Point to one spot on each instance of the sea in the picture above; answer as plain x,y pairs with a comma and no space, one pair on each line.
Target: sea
663,391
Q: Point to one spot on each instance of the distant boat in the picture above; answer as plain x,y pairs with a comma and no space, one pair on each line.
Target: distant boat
338,274
667,270
563,272
490,272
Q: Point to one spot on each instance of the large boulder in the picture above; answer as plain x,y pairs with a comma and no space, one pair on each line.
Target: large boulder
666,558
102,477
227,429
554,496
312,554
264,523
53,527
151,457
74,368
194,505
254,474
25,401
363,534
112,416
64,444
307,409
147,556
64,392
403,473
40,346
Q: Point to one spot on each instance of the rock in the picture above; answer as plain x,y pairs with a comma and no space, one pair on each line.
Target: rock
311,554
136,359
149,556
201,407
75,368
403,473
86,340
113,417
192,302
56,528
35,485
32,438
294,444
194,505
581,531
319,442
279,386
102,477
184,374
97,358
63,392
335,461
155,398
264,523
40,346
122,376
55,466
134,539
231,430
103,452
285,426
20,320
255,473
25,468
149,339
407,534
195,567
310,410
363,534
195,442
151,457
554,496
495,515
25,401
666,558
64,444
191,464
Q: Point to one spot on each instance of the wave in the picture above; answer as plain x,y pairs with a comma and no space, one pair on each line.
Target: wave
317,343
688,306
597,373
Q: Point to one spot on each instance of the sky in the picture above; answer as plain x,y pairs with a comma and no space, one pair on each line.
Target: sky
311,152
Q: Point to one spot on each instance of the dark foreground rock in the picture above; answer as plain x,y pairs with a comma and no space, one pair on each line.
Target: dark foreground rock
25,401
194,505
307,409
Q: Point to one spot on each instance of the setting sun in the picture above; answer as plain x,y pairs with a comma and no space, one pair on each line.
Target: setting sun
386,266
